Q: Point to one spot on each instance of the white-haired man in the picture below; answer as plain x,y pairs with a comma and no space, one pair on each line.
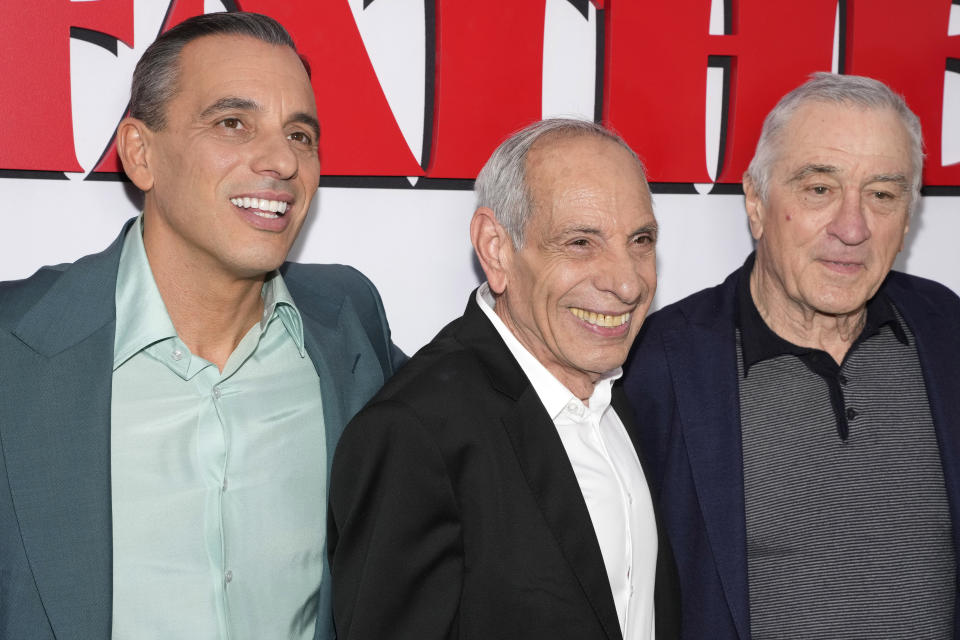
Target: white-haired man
802,416
491,490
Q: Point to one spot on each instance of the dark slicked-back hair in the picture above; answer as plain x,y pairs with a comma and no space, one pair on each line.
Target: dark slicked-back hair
156,74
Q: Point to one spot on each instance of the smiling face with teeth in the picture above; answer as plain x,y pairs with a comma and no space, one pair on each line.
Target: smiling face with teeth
229,179
835,215
576,294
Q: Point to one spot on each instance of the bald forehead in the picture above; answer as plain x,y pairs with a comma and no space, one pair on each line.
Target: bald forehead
561,156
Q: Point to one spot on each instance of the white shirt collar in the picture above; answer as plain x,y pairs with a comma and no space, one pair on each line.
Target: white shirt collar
552,393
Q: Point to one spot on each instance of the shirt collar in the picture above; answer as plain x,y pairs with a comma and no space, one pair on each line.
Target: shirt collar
554,396
759,342
278,301
142,318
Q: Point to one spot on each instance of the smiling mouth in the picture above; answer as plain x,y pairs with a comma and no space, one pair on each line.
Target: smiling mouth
600,319
261,207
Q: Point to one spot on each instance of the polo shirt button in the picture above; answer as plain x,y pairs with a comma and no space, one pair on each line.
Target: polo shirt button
851,413
228,576
217,393
842,378
177,355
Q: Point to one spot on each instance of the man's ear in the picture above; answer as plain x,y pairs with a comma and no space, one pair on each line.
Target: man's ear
133,143
493,247
755,207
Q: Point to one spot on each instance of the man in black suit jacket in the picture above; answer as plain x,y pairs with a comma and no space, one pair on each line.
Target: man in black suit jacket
490,490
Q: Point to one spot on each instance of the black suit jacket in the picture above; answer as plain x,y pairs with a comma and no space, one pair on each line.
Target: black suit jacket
455,512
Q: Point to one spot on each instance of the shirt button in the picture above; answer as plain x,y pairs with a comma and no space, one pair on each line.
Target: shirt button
223,487
177,355
851,413
228,576
842,378
216,393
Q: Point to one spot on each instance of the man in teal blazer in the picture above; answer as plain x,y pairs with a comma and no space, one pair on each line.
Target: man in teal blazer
226,154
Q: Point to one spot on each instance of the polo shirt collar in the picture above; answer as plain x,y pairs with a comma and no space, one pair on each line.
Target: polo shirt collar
758,342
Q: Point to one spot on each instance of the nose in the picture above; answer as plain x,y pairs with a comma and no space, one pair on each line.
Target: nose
849,224
622,274
273,156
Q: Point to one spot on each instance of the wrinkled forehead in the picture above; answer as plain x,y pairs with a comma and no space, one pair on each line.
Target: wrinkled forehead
846,134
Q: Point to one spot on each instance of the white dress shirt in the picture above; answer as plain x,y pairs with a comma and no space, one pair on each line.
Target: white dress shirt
610,477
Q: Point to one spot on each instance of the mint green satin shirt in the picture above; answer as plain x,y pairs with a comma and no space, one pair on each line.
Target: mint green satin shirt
218,479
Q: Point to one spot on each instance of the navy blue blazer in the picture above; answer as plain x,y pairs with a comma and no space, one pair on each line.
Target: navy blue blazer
56,367
682,383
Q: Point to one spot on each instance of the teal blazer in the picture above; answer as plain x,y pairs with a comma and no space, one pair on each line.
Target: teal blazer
56,366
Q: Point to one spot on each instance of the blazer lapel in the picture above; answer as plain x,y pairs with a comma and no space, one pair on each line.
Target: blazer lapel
545,465
346,364
554,485
56,441
349,373
708,404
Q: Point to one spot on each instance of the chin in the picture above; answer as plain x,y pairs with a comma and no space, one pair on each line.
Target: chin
257,268
840,306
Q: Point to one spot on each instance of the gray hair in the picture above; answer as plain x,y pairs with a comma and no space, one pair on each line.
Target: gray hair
838,89
156,74
502,185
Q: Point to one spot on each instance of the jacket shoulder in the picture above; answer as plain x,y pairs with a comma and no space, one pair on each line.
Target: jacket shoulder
327,287
911,290
713,305
18,296
443,369
334,283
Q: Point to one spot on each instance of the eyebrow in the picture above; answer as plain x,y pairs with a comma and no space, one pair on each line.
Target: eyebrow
235,103
653,228
307,119
897,178
572,231
230,103
811,169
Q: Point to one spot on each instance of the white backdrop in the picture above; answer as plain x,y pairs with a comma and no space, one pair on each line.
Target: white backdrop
413,243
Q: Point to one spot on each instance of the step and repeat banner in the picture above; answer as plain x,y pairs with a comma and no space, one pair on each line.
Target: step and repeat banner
413,95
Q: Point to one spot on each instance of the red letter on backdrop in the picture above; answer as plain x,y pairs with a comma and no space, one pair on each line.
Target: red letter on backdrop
37,131
906,46
179,11
489,63
359,133
656,73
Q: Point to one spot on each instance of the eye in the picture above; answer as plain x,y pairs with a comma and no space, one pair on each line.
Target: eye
644,239
231,123
883,195
579,242
820,190
301,137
